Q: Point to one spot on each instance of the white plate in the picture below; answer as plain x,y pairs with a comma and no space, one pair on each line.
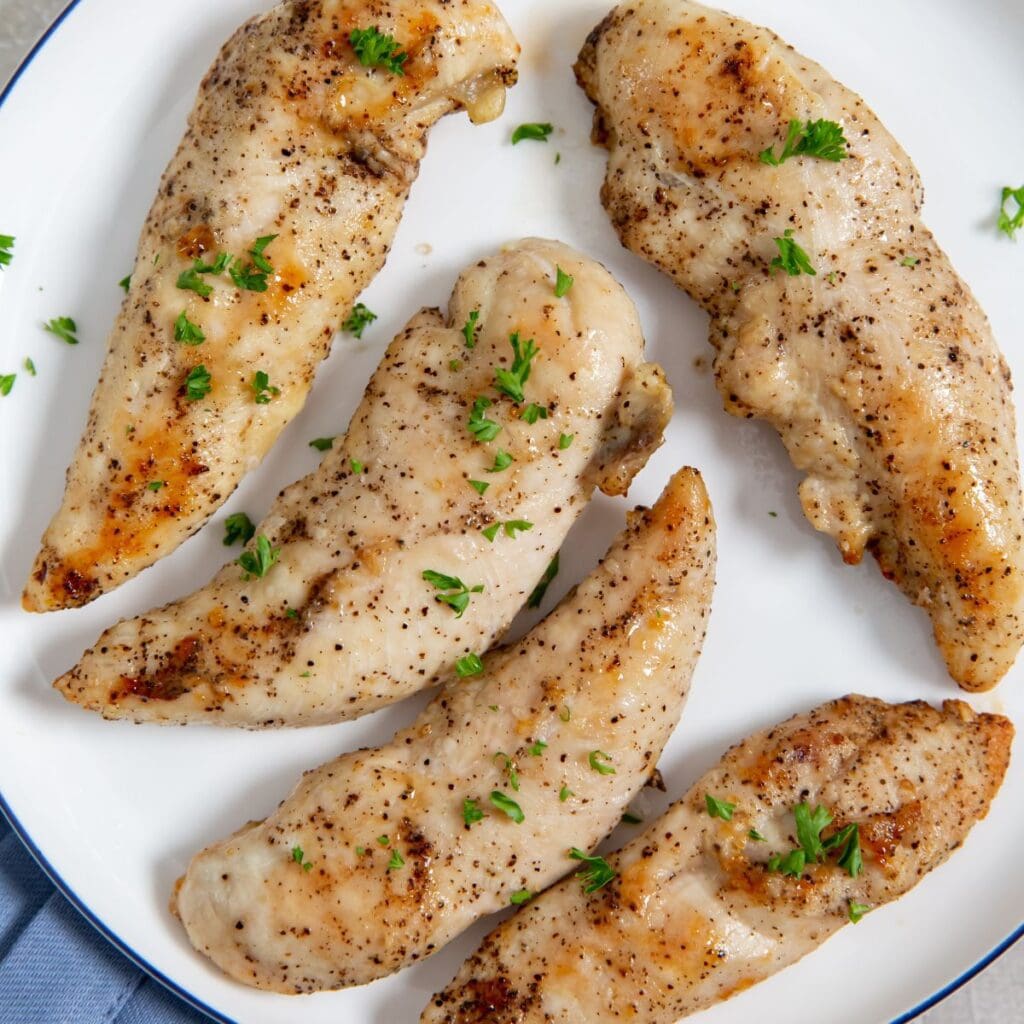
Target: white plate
116,810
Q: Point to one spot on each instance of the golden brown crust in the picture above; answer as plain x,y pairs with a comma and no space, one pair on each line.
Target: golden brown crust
880,372
695,915
292,137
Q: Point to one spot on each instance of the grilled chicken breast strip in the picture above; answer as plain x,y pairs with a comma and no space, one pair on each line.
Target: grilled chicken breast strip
880,372
345,622
290,137
379,858
694,914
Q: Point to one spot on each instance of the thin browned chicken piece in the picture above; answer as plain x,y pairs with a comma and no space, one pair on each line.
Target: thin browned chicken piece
380,857
297,163
879,371
344,621
695,913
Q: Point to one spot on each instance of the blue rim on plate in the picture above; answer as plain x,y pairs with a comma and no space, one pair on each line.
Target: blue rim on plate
172,986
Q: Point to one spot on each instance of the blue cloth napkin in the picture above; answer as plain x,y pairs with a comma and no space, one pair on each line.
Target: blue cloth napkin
55,968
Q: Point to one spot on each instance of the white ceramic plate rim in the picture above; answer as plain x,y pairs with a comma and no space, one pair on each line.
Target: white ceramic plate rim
82,907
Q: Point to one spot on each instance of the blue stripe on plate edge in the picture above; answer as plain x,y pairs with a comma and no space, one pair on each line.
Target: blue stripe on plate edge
192,1000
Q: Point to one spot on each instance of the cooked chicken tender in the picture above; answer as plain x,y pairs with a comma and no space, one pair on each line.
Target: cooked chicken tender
333,615
379,858
702,907
879,369
296,164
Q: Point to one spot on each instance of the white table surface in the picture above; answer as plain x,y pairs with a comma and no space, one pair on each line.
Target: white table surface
995,997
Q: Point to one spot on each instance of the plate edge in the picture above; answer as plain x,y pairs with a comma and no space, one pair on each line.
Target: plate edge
193,1001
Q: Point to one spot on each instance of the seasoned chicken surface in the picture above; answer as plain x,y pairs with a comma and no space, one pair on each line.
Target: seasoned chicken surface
344,621
379,858
297,163
879,371
695,914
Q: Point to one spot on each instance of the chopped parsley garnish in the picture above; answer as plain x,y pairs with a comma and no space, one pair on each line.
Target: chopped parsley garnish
358,320
397,861
357,466
256,252
455,365
218,266
64,328
756,836
469,665
1009,223
471,812
249,278
510,767
253,276
597,759
198,383
517,899
30,367
501,462
292,613
377,50
813,849
322,444
536,131
719,808
596,873
508,806
565,441
491,531
156,485
534,412
514,526
511,382
909,261
809,825
821,139
190,281
238,527
261,389
300,858
480,486
792,259
259,562
850,859
792,864
545,581
187,332
471,329
858,910
6,383
459,596
566,713
480,427
125,283
6,245
564,793
563,283
537,748
383,840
